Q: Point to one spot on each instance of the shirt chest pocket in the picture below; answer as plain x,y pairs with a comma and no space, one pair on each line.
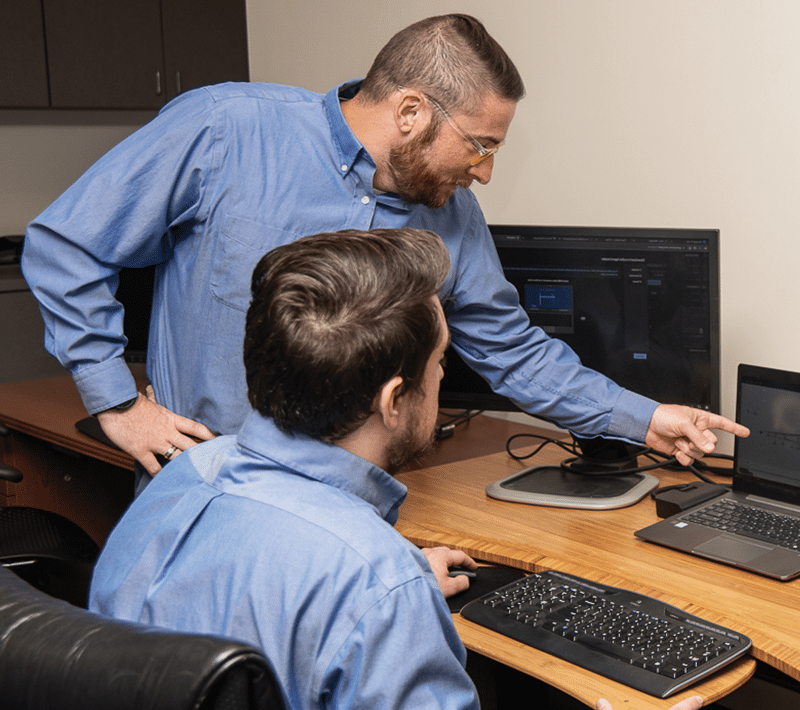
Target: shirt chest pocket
237,250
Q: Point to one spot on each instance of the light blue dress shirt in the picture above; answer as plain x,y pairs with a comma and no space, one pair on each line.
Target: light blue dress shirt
287,543
221,176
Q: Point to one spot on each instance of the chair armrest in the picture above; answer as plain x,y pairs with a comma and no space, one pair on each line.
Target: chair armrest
60,657
9,473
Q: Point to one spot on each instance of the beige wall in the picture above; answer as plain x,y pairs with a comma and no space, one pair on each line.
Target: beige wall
639,113
41,154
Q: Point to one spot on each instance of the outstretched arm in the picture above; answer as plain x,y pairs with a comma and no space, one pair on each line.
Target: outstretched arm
685,432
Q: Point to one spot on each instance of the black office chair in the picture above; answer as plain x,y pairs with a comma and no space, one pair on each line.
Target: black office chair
49,551
55,656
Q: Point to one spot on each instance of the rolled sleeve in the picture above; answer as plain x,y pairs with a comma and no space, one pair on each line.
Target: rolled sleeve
631,416
94,383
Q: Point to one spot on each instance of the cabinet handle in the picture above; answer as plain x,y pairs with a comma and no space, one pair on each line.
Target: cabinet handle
178,82
158,83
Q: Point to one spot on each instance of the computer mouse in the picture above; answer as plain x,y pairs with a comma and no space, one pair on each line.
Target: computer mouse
462,572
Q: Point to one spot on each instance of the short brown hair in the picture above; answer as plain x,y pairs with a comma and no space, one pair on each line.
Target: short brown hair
333,318
449,57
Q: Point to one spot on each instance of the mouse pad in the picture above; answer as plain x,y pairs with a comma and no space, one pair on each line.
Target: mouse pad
487,579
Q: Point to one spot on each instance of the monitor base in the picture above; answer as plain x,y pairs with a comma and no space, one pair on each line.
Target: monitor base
555,487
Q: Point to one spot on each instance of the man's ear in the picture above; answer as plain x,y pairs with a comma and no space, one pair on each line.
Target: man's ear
411,110
389,403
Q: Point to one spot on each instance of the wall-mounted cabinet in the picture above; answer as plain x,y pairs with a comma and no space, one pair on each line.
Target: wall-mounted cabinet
125,54
23,64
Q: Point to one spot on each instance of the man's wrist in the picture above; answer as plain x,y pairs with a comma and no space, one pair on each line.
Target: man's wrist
123,406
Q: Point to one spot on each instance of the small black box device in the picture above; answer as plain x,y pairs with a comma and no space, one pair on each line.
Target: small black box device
680,498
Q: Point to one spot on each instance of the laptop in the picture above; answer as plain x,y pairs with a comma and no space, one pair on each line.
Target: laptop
766,478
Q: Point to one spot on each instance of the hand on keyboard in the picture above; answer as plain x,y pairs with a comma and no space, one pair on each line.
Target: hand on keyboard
689,704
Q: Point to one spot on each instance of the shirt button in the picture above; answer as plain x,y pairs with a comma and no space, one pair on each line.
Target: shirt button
365,200
344,168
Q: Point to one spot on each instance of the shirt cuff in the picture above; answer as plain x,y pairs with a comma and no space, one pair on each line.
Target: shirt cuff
631,416
105,385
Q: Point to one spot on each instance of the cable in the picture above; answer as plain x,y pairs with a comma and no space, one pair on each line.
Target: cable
571,448
699,466
446,429
582,465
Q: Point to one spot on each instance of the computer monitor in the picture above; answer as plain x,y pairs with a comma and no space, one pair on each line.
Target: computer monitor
641,306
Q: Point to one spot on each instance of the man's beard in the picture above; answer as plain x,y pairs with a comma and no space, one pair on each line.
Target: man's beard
413,180
409,446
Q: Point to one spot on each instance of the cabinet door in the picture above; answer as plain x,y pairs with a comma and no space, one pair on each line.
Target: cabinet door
205,42
23,70
104,53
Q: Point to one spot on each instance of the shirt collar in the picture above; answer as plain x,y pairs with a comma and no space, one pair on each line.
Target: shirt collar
351,154
323,462
347,145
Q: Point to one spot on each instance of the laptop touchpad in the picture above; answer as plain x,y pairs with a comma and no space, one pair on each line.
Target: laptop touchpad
735,550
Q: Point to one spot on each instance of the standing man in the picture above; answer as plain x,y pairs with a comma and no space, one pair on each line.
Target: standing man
282,535
228,172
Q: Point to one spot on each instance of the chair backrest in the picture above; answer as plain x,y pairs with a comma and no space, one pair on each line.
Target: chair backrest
48,551
33,534
55,656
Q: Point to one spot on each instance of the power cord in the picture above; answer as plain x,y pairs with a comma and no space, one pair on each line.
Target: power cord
582,464
445,430
585,465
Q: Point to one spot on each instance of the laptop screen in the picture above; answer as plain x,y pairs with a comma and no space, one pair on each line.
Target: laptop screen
768,403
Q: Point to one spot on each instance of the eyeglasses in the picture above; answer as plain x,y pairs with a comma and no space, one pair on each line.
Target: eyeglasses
482,150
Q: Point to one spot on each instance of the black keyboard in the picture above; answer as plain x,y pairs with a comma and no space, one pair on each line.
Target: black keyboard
757,523
627,637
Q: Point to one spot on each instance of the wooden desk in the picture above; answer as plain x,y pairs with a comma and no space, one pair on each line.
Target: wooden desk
48,409
447,505
64,471
72,474
90,483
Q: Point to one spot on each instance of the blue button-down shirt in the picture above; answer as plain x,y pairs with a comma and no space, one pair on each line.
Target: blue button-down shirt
287,543
221,176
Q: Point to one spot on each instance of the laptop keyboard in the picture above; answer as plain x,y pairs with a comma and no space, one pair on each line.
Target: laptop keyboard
627,637
756,523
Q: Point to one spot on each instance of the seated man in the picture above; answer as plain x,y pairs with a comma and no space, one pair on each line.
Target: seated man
282,534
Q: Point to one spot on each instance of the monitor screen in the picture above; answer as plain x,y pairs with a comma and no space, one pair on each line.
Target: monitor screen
640,306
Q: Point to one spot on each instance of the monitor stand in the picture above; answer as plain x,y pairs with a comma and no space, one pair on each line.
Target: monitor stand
594,480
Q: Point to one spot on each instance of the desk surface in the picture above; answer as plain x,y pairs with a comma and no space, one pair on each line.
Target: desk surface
447,505
48,409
